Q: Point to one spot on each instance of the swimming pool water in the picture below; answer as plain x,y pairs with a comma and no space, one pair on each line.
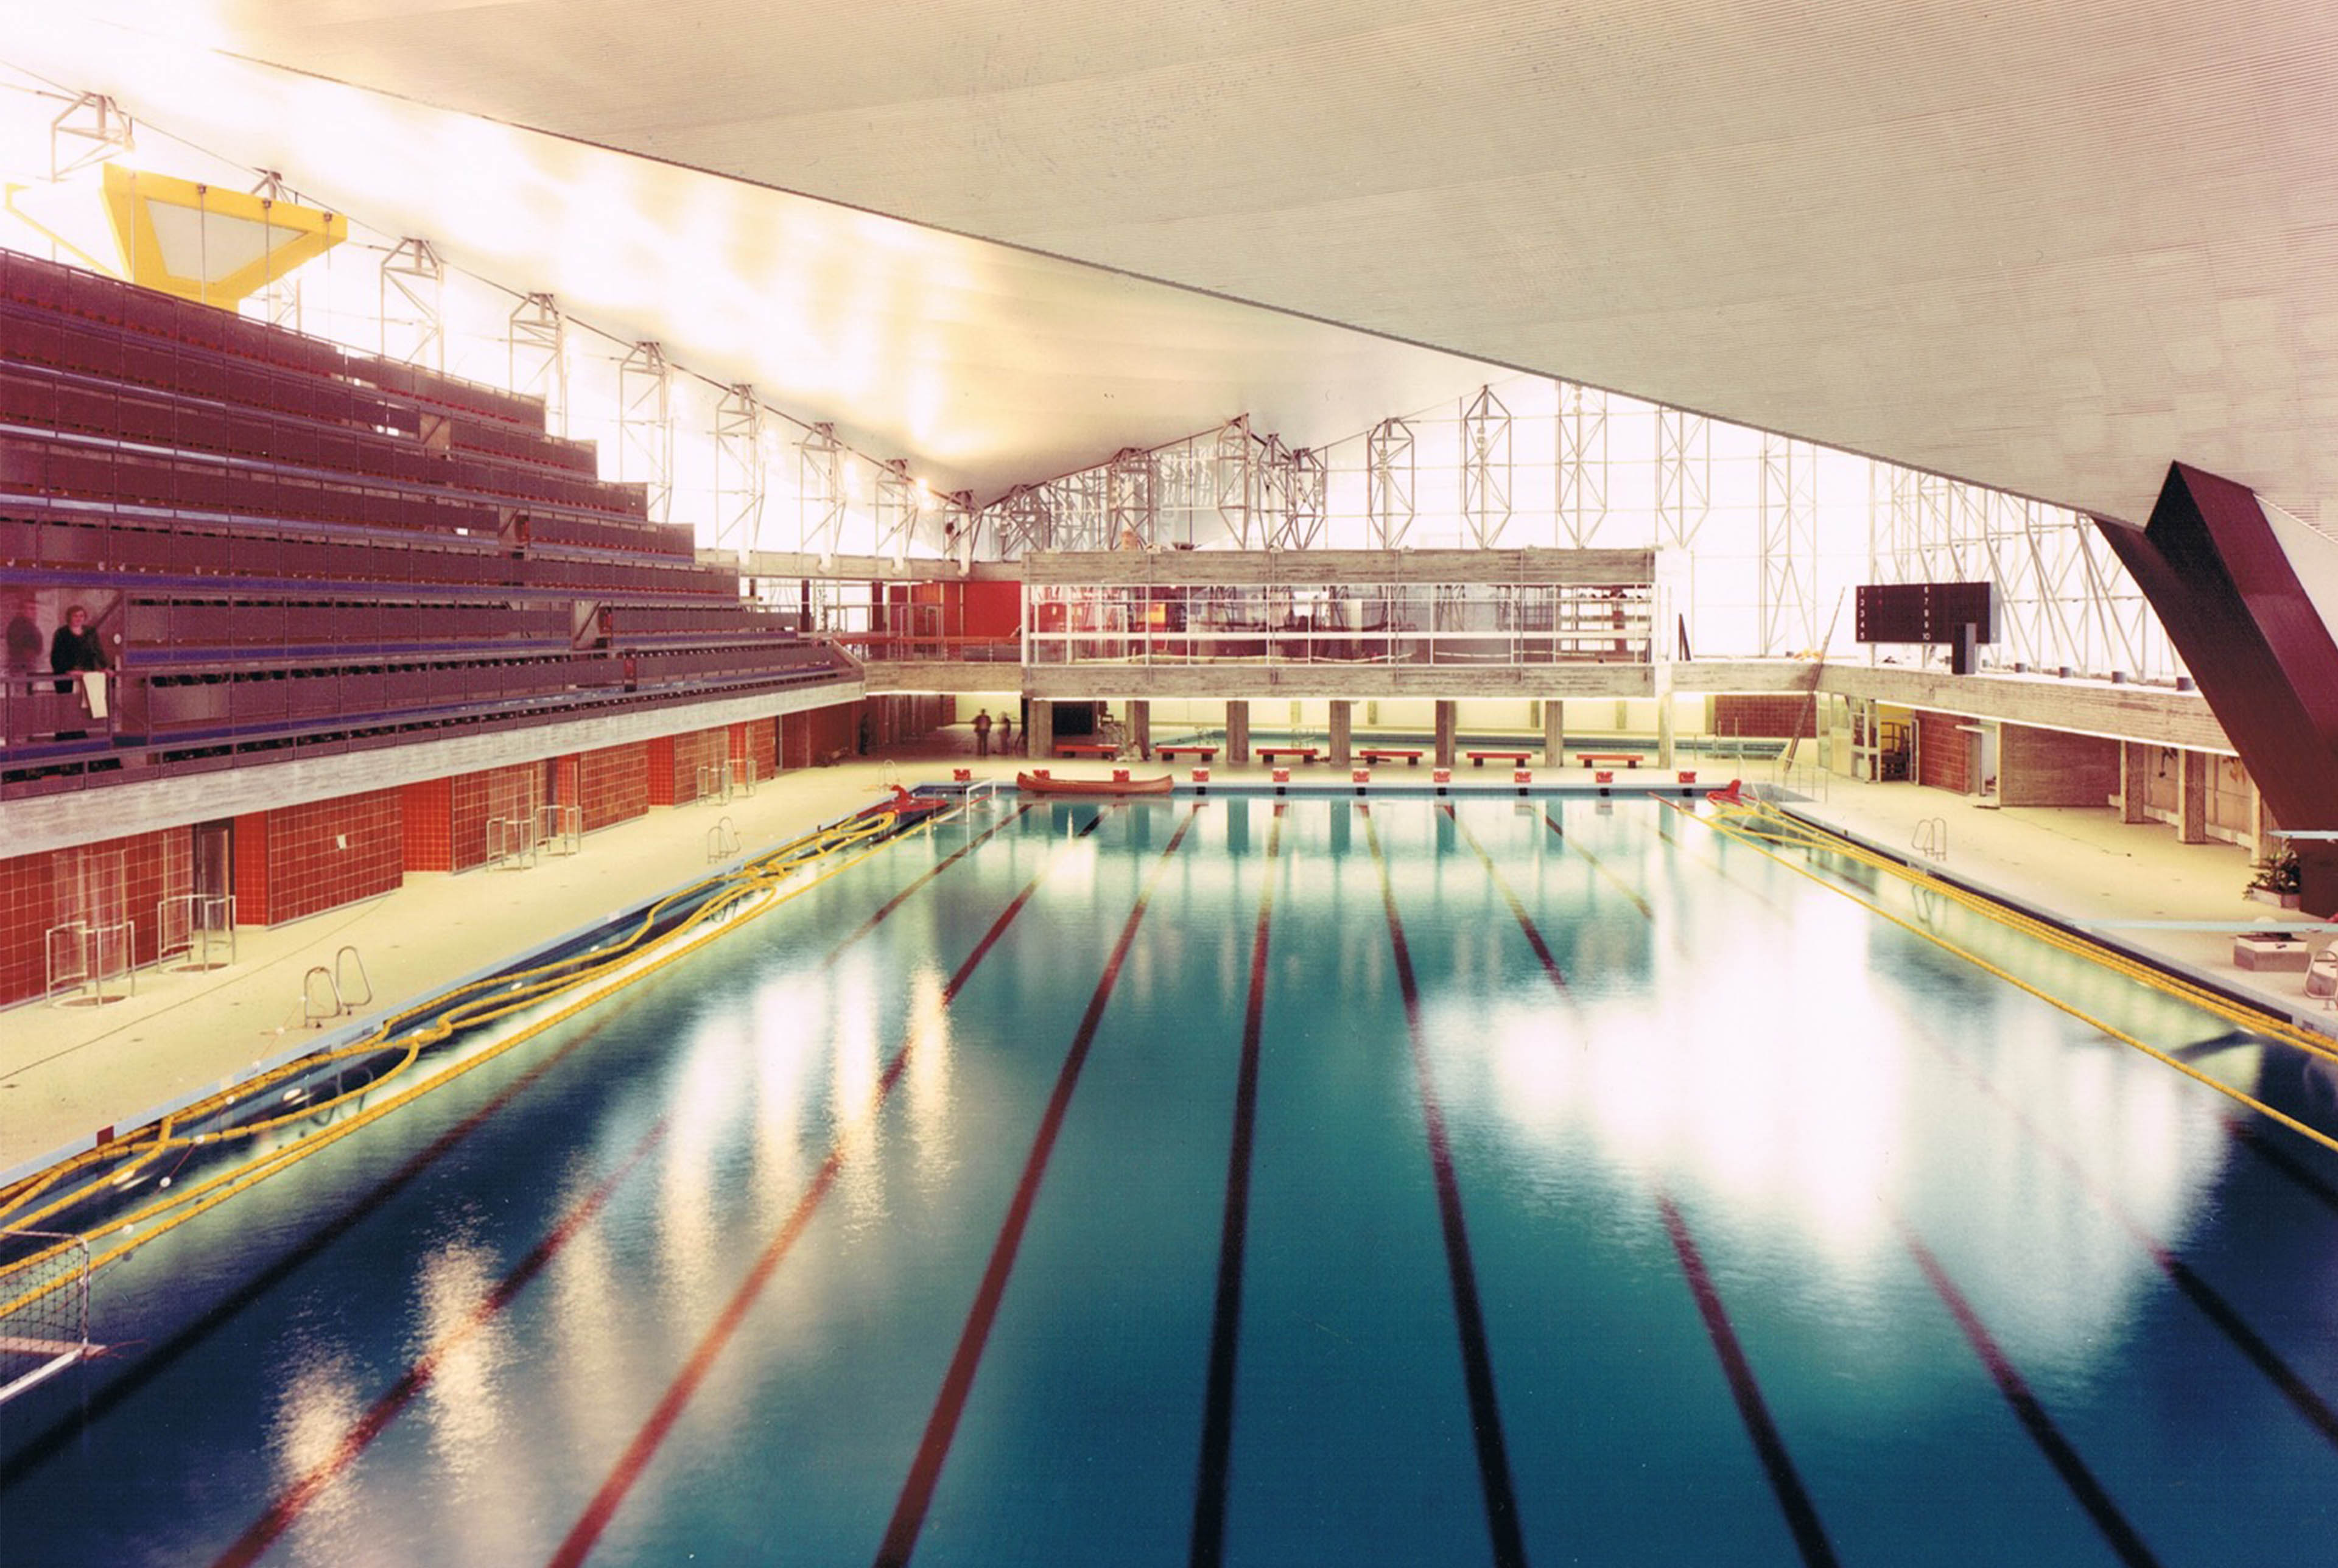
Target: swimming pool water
1261,1183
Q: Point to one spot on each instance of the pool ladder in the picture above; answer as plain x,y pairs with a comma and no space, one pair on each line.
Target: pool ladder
347,987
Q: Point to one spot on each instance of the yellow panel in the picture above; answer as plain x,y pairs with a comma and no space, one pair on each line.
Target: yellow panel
258,240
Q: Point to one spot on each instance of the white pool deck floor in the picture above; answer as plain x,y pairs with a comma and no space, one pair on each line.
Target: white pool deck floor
67,1072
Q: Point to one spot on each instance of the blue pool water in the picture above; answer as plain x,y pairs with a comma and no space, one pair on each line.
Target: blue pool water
1262,1183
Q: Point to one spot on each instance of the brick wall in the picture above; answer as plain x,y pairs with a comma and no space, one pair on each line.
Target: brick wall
1943,752
1782,715
675,761
810,736
2054,768
613,784
101,884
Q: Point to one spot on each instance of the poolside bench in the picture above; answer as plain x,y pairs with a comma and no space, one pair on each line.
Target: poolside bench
1479,759
1097,749
1390,754
1304,753
1171,753
1593,759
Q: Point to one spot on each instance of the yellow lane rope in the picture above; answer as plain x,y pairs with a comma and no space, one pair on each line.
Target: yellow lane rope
1733,823
752,890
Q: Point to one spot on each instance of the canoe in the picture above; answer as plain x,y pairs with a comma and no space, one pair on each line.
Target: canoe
1044,784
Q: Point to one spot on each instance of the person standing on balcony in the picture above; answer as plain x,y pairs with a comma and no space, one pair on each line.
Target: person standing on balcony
982,732
25,640
74,648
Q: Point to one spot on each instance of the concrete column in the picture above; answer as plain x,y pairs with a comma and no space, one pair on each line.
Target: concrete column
1040,734
1554,733
1237,733
2135,780
2192,799
1664,689
1140,726
1447,722
1341,733
2262,843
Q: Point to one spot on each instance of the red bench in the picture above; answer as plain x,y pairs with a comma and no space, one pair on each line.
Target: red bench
1478,759
1086,749
1387,754
1171,753
1593,759
1304,753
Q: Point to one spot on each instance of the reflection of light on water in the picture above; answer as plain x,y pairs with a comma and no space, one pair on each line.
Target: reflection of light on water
587,1341
316,1406
789,1015
701,1101
854,1066
455,1278
1784,1075
926,1079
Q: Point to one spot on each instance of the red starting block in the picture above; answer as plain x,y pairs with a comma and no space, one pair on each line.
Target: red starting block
1361,775
1282,775
1521,777
1120,775
1688,776
1604,776
1038,772
1440,775
962,775
1201,775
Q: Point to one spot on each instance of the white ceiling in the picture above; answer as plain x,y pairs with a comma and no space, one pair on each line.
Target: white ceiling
2046,246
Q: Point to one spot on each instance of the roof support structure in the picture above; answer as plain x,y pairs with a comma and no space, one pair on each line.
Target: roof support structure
645,425
413,305
535,351
739,470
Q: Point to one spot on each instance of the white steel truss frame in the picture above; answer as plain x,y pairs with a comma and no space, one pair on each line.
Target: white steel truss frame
1485,472
414,331
536,352
645,425
739,469
819,492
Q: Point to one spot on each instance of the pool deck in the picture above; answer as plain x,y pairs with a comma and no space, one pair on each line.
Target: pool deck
67,1072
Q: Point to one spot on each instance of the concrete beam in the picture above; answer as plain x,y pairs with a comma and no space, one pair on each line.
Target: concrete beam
1235,568
176,800
2157,714
1075,682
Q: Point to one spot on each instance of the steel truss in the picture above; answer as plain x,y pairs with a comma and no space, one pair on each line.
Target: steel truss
1132,499
536,350
1485,468
819,492
646,425
1391,482
1684,476
413,305
1788,545
1582,447
279,299
739,469
900,504
87,132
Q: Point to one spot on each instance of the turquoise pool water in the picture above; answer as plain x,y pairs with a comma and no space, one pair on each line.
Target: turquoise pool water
1261,1182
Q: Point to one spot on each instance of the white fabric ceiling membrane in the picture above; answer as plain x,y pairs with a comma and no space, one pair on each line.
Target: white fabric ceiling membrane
2044,248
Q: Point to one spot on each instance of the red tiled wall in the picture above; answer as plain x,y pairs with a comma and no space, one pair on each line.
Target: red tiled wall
675,761
1783,716
511,793
613,784
253,904
325,854
426,813
1943,752
121,878
757,742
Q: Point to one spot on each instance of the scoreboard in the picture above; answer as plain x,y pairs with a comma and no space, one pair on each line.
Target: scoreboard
1926,611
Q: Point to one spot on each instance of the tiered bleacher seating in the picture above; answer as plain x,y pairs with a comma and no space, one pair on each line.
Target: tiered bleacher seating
295,545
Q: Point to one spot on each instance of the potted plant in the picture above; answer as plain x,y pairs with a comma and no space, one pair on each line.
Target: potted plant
2276,880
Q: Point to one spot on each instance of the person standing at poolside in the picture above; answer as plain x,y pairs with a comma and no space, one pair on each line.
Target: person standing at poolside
982,732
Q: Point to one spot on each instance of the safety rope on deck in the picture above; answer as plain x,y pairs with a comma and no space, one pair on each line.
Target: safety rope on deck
752,890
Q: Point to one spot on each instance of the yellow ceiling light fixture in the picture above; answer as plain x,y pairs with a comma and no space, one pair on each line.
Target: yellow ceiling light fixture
208,244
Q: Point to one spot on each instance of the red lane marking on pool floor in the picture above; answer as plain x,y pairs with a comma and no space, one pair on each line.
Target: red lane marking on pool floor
586,1532
1477,1362
925,1471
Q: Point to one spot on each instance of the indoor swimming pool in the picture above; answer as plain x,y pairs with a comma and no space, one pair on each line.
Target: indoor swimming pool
1265,1182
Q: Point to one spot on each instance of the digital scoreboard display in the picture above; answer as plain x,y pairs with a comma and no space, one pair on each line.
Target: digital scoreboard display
1926,611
